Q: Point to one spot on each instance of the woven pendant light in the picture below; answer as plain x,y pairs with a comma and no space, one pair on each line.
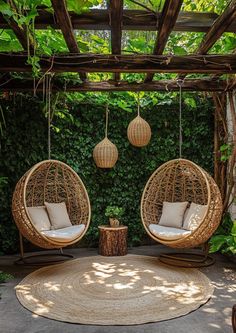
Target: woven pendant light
105,153
139,131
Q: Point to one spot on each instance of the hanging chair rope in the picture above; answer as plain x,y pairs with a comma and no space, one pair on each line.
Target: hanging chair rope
180,82
48,108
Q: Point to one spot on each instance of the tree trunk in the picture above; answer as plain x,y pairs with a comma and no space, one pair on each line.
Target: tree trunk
113,241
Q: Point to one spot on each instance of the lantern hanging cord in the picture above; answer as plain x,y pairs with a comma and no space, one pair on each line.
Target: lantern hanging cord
107,113
138,102
180,82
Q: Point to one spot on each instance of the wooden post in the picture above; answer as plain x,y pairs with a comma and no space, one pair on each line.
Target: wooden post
234,318
220,137
113,240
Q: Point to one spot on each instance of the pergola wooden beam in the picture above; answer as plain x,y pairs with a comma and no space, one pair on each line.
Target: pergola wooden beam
166,24
98,19
23,85
66,27
116,14
218,28
223,64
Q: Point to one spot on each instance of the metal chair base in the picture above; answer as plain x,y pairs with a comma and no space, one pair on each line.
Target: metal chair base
38,259
34,259
187,260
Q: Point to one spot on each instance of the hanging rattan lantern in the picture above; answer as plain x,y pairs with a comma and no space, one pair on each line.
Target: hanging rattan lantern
105,153
139,131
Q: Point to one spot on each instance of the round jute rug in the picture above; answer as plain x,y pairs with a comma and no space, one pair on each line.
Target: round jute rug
113,291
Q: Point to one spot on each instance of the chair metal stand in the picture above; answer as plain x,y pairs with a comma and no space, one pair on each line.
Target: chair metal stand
34,259
187,259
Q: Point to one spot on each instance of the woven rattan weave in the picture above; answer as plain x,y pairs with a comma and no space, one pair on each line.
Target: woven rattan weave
50,181
182,180
105,154
139,132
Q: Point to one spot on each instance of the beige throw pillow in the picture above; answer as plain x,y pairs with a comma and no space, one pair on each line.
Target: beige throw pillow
39,217
58,215
173,214
194,216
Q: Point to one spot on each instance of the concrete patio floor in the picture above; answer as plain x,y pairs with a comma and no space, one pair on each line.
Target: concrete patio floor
215,316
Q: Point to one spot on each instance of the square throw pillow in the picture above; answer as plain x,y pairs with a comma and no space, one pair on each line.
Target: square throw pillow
39,217
194,216
173,214
58,215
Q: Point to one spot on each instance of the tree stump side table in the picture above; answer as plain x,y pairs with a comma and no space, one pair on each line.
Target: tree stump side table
113,240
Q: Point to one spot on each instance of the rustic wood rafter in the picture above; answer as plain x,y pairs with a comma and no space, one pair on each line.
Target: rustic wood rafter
133,19
218,28
66,27
115,18
116,14
122,63
166,24
10,84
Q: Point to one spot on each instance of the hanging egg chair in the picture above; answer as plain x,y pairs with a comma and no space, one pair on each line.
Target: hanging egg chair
139,131
181,180
181,207
50,204
105,153
51,181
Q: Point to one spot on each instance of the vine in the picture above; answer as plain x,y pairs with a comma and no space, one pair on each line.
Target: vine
78,126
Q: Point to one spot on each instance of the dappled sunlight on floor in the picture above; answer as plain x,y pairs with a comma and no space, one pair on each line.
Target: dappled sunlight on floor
113,289
214,316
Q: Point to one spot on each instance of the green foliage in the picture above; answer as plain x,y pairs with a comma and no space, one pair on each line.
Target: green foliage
2,121
4,277
226,152
114,211
3,182
51,41
79,6
78,125
224,239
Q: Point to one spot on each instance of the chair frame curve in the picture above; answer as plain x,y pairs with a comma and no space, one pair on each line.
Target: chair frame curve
22,217
210,220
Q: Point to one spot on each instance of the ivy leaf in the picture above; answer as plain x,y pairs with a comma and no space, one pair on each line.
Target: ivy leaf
233,230
179,50
216,243
123,105
5,8
8,46
83,46
190,101
80,6
31,16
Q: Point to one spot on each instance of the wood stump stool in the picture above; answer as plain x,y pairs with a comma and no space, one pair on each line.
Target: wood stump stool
113,240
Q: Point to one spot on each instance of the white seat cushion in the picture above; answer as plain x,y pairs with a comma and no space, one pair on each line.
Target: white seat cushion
194,216
65,234
167,233
39,217
173,214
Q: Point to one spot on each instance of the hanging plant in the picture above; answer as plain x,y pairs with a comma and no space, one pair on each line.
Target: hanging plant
105,153
139,131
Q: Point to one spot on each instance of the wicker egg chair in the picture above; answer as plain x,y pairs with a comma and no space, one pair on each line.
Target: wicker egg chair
177,181
50,181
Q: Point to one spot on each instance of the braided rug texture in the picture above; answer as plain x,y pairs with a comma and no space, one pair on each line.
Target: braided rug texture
123,290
